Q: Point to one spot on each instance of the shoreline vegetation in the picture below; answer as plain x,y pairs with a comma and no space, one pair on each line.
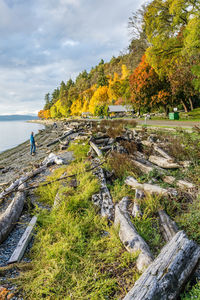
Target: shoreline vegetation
76,253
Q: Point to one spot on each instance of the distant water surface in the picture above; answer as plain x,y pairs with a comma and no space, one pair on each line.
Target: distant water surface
13,133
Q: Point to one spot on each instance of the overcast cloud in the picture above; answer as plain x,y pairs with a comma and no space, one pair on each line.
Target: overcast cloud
43,42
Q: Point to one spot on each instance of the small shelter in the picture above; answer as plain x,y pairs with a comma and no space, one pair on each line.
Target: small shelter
120,110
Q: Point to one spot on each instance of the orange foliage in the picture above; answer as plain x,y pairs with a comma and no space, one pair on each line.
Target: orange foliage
145,84
44,114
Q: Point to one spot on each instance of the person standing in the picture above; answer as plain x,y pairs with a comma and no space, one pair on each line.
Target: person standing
32,144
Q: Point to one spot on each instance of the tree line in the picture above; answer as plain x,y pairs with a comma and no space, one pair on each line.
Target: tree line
160,70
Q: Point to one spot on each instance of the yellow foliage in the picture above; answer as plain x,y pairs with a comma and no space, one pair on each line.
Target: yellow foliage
125,72
100,97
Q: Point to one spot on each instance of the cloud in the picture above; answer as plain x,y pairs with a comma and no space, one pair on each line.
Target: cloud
43,42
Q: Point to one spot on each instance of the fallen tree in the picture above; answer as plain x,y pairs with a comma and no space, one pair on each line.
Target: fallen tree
169,272
132,241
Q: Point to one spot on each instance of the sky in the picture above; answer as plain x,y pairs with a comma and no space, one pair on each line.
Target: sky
43,42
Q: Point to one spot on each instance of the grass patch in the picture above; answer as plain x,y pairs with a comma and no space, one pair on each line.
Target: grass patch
75,254
193,293
79,150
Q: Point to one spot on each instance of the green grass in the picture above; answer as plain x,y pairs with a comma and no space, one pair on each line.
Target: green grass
193,293
75,254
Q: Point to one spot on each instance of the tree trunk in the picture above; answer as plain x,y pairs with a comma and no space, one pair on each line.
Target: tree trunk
169,272
191,103
184,106
11,215
132,241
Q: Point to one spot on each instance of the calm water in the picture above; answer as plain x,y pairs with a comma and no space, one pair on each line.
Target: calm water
13,133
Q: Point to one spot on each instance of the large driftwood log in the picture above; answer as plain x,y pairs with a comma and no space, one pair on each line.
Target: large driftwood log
146,187
163,162
61,138
103,199
168,227
167,275
132,241
21,180
23,243
96,149
9,218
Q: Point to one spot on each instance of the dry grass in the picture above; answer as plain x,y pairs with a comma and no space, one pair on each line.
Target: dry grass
113,128
122,165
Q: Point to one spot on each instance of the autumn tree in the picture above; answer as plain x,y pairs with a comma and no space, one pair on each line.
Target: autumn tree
145,85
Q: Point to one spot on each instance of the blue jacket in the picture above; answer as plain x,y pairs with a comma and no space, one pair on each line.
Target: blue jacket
32,140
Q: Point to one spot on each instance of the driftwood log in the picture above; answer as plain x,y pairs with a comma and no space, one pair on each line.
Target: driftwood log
143,167
23,243
11,215
96,149
103,199
132,241
163,162
146,187
21,180
167,275
167,226
163,153
182,184
61,138
136,211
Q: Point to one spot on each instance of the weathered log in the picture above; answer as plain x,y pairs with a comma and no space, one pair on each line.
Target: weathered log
102,141
132,241
103,199
147,143
146,187
185,184
96,149
167,275
61,138
136,211
106,148
163,153
9,218
23,243
144,168
180,183
163,162
167,226
21,180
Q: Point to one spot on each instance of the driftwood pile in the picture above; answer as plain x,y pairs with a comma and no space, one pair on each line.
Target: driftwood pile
165,276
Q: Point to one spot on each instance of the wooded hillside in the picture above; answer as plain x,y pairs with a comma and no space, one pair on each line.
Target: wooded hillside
160,70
